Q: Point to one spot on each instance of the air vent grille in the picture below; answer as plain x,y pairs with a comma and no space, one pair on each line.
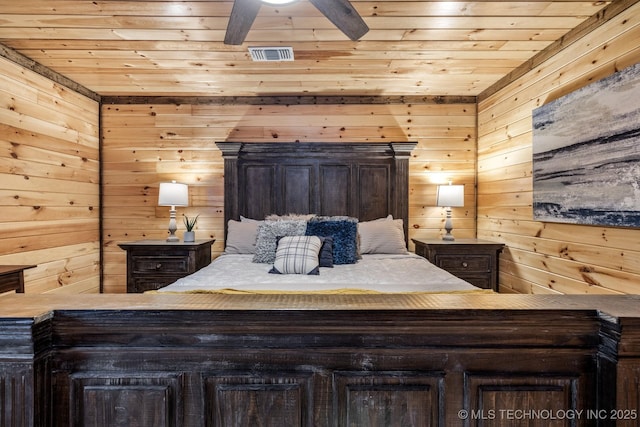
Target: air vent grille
271,53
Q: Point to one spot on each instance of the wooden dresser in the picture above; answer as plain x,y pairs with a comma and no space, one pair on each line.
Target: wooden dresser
153,264
473,260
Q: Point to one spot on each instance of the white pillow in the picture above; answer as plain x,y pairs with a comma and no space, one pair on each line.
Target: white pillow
382,236
241,237
297,255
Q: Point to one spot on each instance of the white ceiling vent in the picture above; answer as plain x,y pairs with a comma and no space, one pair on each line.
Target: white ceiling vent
271,53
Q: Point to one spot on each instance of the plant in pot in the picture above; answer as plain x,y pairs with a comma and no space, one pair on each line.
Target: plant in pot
189,224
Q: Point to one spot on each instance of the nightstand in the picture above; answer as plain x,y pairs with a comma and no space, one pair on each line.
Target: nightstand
153,264
12,278
473,260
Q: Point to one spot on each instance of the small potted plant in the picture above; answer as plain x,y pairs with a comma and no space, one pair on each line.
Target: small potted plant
189,224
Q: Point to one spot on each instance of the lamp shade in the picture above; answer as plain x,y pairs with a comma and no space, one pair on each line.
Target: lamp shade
173,194
450,195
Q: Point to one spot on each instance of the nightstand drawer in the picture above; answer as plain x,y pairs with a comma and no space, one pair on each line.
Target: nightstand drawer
462,264
483,281
167,264
150,283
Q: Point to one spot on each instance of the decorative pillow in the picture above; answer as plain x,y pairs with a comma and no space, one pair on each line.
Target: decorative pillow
245,219
343,230
274,217
241,237
326,252
382,236
268,233
297,255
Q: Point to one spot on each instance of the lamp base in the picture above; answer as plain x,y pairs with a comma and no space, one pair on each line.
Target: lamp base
172,226
448,226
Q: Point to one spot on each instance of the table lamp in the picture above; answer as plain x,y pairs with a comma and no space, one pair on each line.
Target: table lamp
173,194
450,196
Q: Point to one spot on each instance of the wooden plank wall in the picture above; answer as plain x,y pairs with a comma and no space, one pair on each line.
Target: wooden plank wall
148,143
548,257
49,182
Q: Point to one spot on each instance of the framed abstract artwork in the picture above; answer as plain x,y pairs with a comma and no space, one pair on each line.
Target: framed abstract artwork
586,154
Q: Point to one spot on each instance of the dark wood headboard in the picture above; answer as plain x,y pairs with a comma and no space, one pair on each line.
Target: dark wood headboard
362,180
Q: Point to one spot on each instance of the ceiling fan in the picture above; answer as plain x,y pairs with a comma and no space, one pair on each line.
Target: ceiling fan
340,12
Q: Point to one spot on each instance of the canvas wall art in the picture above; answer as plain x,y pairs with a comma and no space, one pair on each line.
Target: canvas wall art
586,154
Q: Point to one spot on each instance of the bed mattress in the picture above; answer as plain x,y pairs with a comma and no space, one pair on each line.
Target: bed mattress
376,273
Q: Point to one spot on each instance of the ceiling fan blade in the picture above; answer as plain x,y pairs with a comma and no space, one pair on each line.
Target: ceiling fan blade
344,16
243,14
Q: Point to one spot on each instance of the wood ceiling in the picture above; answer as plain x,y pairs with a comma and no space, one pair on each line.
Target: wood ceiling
175,48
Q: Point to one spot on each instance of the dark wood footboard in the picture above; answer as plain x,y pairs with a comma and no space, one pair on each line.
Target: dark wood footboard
330,361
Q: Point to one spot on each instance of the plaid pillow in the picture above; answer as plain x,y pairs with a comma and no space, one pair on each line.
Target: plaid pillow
297,255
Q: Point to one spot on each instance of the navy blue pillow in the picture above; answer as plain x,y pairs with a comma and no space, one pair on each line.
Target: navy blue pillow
343,230
326,252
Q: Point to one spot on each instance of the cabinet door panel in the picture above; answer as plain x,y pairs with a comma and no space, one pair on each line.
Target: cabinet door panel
379,399
15,386
335,190
523,400
257,185
298,189
269,400
375,191
99,400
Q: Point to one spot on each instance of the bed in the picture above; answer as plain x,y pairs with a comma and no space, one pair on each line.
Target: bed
285,357
317,218
289,254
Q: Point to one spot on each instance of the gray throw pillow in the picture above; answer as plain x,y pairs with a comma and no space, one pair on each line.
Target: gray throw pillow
268,234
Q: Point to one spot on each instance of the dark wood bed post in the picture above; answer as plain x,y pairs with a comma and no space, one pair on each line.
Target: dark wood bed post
402,154
230,151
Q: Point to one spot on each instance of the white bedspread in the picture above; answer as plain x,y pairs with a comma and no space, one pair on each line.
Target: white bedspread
374,273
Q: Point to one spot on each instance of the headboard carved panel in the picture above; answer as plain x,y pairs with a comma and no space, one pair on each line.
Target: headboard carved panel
362,180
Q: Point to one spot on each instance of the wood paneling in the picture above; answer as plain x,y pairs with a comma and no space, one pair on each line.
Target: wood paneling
388,87
145,144
176,48
49,182
547,257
